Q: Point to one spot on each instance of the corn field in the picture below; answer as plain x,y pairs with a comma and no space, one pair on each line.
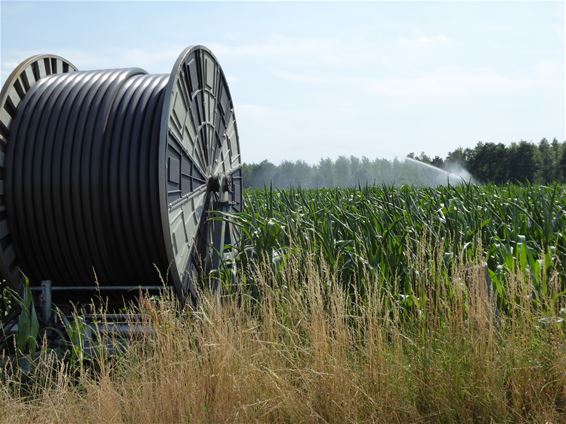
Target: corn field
379,233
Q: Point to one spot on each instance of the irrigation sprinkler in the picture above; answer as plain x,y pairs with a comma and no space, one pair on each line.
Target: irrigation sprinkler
109,178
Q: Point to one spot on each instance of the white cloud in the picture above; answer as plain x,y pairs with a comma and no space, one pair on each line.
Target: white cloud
311,78
453,84
420,39
325,51
442,82
309,51
549,69
254,110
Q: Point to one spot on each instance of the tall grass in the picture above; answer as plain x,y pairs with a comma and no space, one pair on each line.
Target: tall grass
310,351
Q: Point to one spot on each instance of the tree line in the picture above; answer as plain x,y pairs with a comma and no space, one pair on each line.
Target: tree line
542,163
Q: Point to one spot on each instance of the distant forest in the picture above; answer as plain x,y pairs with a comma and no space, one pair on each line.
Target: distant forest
542,163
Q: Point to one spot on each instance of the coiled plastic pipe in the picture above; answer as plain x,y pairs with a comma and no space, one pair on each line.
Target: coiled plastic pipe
81,177
109,176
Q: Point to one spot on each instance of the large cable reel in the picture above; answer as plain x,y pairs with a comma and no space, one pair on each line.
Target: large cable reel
114,175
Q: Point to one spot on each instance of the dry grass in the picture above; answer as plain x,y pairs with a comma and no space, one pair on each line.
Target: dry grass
310,352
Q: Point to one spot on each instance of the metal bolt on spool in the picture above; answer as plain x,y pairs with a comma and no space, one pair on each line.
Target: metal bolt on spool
108,178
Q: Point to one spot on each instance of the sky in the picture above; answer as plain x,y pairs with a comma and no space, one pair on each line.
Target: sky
316,80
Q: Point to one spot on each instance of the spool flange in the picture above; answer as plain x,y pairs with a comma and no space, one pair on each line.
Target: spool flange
200,147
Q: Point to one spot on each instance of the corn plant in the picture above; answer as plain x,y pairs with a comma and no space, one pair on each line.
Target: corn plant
374,234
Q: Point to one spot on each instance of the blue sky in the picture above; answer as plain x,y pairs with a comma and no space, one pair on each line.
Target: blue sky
312,80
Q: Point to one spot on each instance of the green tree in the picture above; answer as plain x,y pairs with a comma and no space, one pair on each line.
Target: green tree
342,172
325,174
523,162
558,150
547,169
562,165
437,161
488,162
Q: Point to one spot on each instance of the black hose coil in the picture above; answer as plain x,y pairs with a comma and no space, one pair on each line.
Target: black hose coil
83,172
90,134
